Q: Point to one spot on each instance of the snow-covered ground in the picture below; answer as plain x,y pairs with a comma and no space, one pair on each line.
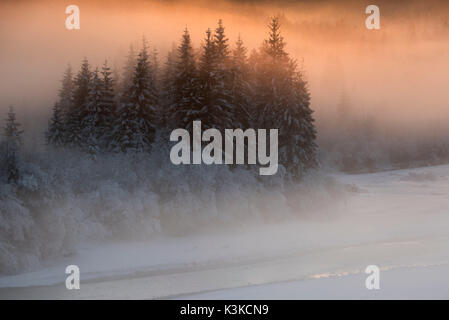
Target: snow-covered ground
397,220
426,282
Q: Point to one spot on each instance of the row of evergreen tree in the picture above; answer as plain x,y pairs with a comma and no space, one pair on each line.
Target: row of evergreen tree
222,87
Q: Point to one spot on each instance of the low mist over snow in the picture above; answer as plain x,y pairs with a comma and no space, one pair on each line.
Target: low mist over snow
387,219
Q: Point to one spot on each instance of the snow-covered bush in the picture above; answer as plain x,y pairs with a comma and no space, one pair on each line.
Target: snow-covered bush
64,197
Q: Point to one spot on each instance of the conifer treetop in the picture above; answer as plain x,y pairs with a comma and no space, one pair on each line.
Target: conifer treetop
11,130
65,93
275,43
221,42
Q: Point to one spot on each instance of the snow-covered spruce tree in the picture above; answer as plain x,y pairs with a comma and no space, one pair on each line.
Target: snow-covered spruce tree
11,144
77,111
271,83
298,149
65,103
55,132
107,108
127,74
155,74
214,94
223,77
282,96
154,65
206,85
168,85
116,80
221,47
185,105
136,121
91,117
240,87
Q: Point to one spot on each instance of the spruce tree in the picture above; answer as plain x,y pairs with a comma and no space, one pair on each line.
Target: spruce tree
136,121
13,141
56,127
223,78
91,117
221,47
298,150
240,87
275,45
154,65
282,96
168,86
214,95
12,131
185,106
65,103
117,81
155,77
77,112
107,108
271,79
128,73
207,84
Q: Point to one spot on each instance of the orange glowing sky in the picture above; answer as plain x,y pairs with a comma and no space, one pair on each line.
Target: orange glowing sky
400,72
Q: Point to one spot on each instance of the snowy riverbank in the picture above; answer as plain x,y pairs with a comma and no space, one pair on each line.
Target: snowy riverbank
398,220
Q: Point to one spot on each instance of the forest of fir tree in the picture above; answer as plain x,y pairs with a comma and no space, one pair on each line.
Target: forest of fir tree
221,86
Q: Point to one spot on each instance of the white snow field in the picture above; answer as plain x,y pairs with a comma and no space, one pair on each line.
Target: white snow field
397,220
